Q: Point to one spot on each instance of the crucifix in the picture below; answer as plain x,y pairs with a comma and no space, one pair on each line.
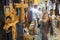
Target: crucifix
11,20
22,6
13,26
11,23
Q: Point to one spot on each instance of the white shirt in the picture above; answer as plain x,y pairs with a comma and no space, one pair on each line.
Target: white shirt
35,13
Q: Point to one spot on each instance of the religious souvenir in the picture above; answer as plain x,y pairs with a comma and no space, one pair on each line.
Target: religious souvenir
18,5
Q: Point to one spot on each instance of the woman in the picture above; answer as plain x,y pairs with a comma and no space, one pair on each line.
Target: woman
45,26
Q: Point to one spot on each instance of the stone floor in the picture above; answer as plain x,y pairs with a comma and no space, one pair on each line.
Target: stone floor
56,37
58,34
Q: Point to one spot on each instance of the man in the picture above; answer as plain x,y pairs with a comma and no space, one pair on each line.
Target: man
53,21
35,17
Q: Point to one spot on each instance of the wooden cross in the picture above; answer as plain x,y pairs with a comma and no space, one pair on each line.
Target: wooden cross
13,25
12,14
22,6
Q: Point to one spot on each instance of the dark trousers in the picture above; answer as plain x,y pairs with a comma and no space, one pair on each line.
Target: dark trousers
9,35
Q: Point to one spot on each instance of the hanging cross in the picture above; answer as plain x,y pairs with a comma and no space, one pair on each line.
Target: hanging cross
13,25
12,13
22,6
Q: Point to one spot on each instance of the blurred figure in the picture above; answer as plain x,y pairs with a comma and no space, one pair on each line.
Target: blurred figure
54,22
35,17
45,26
